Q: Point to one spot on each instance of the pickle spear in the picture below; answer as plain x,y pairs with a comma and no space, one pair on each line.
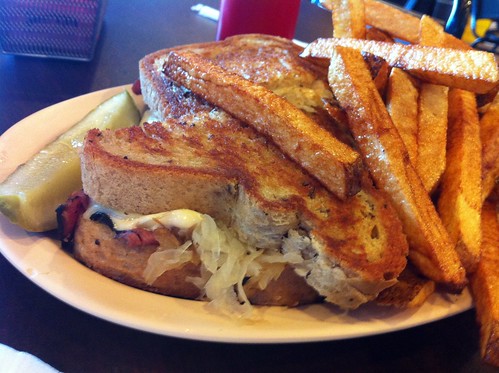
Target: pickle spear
30,195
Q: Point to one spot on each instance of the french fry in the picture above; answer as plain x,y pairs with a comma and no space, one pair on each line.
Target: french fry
460,198
432,33
432,115
337,114
384,153
460,201
340,128
472,70
484,285
372,33
432,134
348,19
335,164
489,134
380,70
483,100
402,25
402,104
395,22
411,290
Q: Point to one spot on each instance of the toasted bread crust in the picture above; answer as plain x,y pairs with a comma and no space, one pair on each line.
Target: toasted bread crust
334,162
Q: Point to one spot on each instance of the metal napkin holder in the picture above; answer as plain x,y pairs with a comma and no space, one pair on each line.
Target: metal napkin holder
67,29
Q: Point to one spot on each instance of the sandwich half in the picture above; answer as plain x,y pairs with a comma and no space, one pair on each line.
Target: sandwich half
197,204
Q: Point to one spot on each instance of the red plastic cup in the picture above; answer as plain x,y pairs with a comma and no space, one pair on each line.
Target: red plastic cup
273,17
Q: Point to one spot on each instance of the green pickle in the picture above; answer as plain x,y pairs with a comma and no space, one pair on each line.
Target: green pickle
30,195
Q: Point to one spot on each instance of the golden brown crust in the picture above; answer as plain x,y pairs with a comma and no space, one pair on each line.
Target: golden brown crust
243,54
141,156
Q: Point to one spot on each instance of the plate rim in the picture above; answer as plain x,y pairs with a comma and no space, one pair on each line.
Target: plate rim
24,250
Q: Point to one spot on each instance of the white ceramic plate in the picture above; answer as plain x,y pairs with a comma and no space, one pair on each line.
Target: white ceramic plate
40,258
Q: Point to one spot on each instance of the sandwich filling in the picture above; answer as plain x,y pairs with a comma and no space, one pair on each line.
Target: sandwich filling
227,263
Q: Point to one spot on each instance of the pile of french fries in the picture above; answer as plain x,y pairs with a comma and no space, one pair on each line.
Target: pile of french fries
424,114
430,138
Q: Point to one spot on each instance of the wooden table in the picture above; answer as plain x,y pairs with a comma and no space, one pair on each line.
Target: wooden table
72,341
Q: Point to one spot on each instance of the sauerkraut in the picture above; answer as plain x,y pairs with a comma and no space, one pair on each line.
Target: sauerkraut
226,263
306,98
